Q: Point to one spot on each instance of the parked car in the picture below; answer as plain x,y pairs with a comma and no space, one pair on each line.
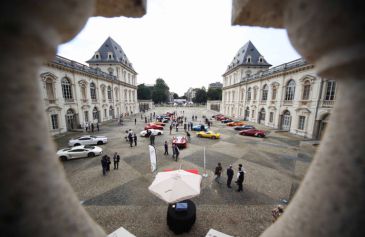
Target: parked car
79,152
180,141
209,134
153,126
244,127
88,140
155,132
159,123
253,132
217,115
235,123
200,127
227,120
220,118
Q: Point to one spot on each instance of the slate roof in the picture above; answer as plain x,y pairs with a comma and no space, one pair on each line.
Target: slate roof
248,50
118,54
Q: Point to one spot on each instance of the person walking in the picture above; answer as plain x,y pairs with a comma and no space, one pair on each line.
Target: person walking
116,159
104,164
177,152
152,139
173,150
188,135
177,127
218,173
170,128
130,139
166,148
135,121
185,127
92,127
108,162
97,126
145,119
240,178
230,174
135,139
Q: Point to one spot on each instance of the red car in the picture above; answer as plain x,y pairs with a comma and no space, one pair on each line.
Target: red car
181,142
153,126
253,132
169,114
220,118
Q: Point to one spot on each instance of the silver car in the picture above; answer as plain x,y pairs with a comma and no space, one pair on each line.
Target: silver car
88,140
79,152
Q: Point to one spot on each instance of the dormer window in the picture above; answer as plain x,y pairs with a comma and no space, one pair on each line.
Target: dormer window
248,60
97,55
110,55
261,60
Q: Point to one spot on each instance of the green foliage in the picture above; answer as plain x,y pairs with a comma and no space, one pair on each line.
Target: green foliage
144,92
176,96
200,96
160,93
214,94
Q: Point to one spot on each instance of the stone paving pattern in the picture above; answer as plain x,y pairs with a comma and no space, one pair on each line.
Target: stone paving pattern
275,166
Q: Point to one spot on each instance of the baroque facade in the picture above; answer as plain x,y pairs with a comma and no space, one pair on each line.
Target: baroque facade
289,97
74,93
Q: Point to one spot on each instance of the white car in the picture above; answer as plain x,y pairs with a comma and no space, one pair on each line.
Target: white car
79,152
88,140
153,131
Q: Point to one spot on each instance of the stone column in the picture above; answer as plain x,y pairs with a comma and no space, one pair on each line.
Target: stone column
330,34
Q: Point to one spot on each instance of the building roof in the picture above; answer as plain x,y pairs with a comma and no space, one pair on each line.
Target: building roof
118,55
215,85
245,52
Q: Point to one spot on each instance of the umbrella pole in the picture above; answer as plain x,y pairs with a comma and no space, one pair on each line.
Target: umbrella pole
205,170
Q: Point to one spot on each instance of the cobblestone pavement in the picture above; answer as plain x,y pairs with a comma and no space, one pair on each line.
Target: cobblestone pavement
275,166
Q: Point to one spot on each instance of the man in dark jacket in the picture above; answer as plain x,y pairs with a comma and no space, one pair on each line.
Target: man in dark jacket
130,138
218,173
241,177
104,164
230,174
135,139
116,159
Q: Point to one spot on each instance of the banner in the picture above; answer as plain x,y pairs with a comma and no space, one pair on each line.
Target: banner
153,158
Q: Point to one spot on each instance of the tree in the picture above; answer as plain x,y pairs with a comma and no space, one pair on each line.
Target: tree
144,92
160,93
200,96
214,94
176,96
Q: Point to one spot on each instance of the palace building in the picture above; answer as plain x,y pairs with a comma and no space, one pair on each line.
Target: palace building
74,93
289,97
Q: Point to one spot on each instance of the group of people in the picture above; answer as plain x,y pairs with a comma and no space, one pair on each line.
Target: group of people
131,137
230,173
90,127
175,150
105,162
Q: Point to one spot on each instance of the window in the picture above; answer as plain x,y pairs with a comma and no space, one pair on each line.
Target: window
248,59
66,88
261,60
95,113
301,122
54,120
306,90
271,117
97,55
274,91
109,93
330,90
249,94
92,91
49,89
86,116
290,90
264,92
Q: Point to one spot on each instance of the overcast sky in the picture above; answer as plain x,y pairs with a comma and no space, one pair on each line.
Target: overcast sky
188,43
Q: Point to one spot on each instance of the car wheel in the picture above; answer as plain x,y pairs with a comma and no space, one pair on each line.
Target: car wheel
199,135
63,158
260,135
100,143
77,144
213,137
159,133
91,154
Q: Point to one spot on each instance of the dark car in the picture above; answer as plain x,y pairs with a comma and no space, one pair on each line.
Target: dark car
227,120
253,132
244,127
200,127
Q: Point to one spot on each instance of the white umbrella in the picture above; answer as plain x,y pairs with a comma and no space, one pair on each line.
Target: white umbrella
175,186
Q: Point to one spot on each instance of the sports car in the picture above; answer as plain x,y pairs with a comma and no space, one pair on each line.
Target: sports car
159,123
253,132
88,140
180,141
227,120
208,134
200,127
245,127
235,123
155,132
153,126
221,117
79,152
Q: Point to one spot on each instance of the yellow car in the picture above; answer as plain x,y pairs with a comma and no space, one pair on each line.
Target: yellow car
209,134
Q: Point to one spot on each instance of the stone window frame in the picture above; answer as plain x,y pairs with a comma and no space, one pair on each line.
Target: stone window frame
265,92
110,93
330,90
66,86
54,122
301,122
93,91
249,94
290,90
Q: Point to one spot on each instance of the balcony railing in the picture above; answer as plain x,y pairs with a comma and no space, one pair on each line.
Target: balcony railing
69,101
94,101
263,102
288,102
328,103
305,102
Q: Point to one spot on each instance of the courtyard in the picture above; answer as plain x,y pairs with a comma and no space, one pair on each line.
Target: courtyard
274,168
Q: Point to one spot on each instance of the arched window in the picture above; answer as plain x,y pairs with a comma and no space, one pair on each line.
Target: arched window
109,93
306,90
330,90
290,90
274,92
249,94
264,92
95,113
92,91
49,89
103,91
248,60
66,89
